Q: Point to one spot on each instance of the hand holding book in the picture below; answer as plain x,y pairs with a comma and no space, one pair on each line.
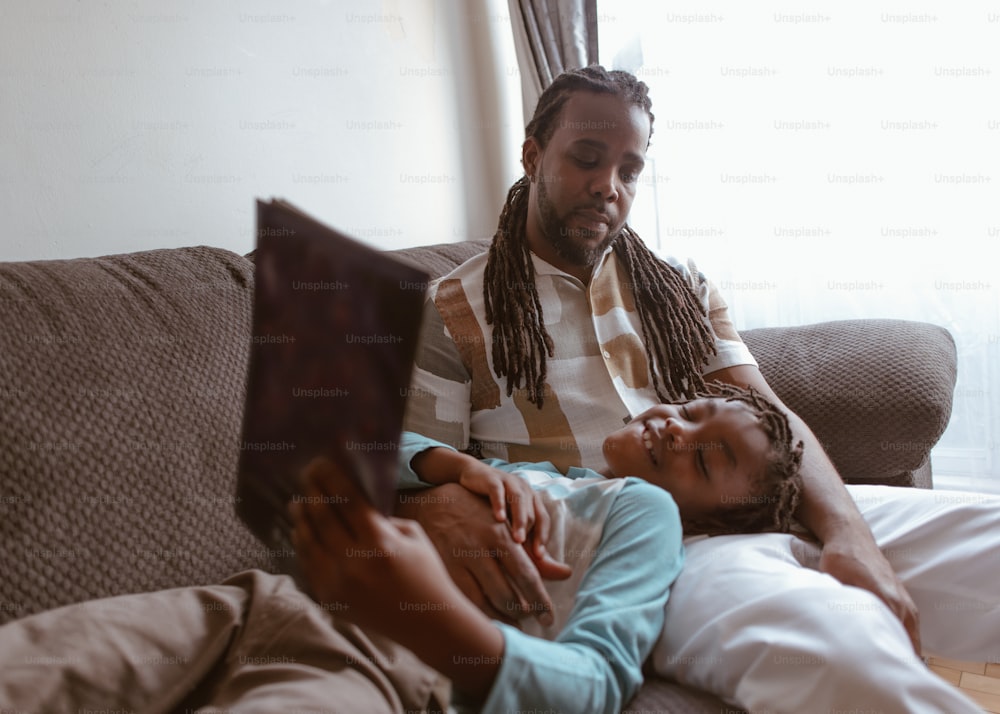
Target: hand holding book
384,575
335,328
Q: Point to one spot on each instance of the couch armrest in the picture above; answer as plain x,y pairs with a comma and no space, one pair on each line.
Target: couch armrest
877,393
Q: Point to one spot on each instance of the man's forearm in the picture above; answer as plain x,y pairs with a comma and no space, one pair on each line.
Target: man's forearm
826,508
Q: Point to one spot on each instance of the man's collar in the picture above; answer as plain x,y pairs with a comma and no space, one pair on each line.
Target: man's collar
543,267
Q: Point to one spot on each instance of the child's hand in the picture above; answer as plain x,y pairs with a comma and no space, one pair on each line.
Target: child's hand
383,570
526,508
388,578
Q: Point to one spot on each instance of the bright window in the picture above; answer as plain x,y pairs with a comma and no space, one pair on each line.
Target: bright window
833,161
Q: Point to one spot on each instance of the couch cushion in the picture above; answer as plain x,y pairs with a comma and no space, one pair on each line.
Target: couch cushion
121,397
877,393
442,258
666,697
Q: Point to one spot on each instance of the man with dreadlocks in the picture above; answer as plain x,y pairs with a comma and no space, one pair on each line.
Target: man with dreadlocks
570,326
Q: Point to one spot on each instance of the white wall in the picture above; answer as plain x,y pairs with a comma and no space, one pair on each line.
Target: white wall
132,125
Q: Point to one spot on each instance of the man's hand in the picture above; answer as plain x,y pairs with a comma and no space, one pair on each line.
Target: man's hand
510,492
856,560
494,571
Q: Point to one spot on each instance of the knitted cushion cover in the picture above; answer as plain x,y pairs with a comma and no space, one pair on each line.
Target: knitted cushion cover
877,393
121,396
664,696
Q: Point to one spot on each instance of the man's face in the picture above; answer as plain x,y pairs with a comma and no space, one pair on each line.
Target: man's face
707,452
584,180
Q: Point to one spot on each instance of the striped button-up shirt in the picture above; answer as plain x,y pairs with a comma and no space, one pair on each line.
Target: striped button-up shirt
597,380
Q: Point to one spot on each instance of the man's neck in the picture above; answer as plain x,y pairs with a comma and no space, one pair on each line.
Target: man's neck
549,255
583,273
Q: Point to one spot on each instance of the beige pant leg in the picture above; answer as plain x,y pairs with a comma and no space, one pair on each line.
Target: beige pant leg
141,653
254,642
289,656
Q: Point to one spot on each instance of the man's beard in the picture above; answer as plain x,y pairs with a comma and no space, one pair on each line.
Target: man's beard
562,238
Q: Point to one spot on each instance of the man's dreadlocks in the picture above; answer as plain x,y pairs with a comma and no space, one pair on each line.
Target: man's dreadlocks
678,340
774,494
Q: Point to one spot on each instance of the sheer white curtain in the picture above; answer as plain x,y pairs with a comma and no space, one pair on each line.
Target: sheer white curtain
833,163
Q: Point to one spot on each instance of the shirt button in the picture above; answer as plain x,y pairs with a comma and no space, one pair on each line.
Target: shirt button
607,355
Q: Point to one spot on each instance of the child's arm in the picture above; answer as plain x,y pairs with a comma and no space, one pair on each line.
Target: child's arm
391,580
595,662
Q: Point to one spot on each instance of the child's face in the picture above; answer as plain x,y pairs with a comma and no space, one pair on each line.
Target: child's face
706,452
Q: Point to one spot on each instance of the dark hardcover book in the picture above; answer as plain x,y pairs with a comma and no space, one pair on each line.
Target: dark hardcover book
335,326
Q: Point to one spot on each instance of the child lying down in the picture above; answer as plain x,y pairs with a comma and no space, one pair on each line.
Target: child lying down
723,463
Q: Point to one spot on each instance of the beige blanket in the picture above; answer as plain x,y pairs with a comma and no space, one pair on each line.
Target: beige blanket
255,643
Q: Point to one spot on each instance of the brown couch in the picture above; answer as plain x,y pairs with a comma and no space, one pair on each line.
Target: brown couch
121,392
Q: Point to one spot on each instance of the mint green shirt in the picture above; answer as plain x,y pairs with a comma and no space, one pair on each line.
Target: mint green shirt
592,661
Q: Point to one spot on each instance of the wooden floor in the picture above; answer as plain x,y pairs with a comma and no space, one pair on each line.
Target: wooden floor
981,682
